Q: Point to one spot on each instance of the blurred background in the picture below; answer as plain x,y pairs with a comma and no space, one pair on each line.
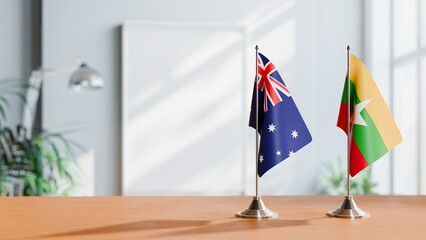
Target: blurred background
172,116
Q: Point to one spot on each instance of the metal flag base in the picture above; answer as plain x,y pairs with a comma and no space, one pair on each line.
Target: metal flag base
257,209
349,209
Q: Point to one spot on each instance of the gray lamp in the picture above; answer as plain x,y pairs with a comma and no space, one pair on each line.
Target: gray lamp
86,77
83,77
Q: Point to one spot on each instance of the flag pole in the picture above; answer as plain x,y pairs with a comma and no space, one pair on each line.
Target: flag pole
257,123
348,209
257,208
348,85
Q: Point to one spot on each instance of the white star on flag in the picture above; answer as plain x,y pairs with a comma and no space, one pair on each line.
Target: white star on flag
278,153
272,127
261,159
290,153
294,134
358,119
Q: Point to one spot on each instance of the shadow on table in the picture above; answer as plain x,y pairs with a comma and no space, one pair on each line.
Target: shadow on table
194,226
130,227
238,225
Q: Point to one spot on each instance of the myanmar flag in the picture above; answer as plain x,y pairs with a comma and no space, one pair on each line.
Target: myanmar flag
373,130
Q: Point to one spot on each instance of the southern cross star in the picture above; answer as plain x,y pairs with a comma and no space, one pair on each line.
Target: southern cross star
294,134
272,127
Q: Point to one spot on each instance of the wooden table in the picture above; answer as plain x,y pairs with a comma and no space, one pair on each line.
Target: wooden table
301,217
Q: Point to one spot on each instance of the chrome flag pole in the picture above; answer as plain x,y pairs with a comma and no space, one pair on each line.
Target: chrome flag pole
348,209
257,208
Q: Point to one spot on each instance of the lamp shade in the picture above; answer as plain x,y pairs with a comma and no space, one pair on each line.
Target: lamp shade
86,77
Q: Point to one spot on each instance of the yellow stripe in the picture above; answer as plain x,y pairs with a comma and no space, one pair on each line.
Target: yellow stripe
366,89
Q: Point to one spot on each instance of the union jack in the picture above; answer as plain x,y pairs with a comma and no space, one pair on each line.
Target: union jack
268,84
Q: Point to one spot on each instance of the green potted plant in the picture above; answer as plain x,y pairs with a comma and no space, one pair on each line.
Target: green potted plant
37,165
333,180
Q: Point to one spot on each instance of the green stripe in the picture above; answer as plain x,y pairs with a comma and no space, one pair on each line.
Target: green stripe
345,90
354,97
368,138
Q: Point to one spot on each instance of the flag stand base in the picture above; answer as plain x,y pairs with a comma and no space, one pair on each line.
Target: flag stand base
349,209
257,209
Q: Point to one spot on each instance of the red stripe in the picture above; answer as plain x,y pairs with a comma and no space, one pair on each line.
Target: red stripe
264,74
342,121
265,103
358,161
273,95
280,86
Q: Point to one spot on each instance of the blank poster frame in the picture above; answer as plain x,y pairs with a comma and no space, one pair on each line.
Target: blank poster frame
127,83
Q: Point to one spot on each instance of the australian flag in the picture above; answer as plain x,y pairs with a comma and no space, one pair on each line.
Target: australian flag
281,127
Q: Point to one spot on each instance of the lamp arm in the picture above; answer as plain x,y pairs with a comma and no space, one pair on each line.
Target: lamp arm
30,107
33,93
46,72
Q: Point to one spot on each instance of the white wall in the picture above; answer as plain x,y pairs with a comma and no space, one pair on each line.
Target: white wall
309,53
15,47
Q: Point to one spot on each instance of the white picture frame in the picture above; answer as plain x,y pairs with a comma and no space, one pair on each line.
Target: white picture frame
184,108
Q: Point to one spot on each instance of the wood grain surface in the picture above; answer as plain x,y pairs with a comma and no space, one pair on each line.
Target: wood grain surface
300,217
